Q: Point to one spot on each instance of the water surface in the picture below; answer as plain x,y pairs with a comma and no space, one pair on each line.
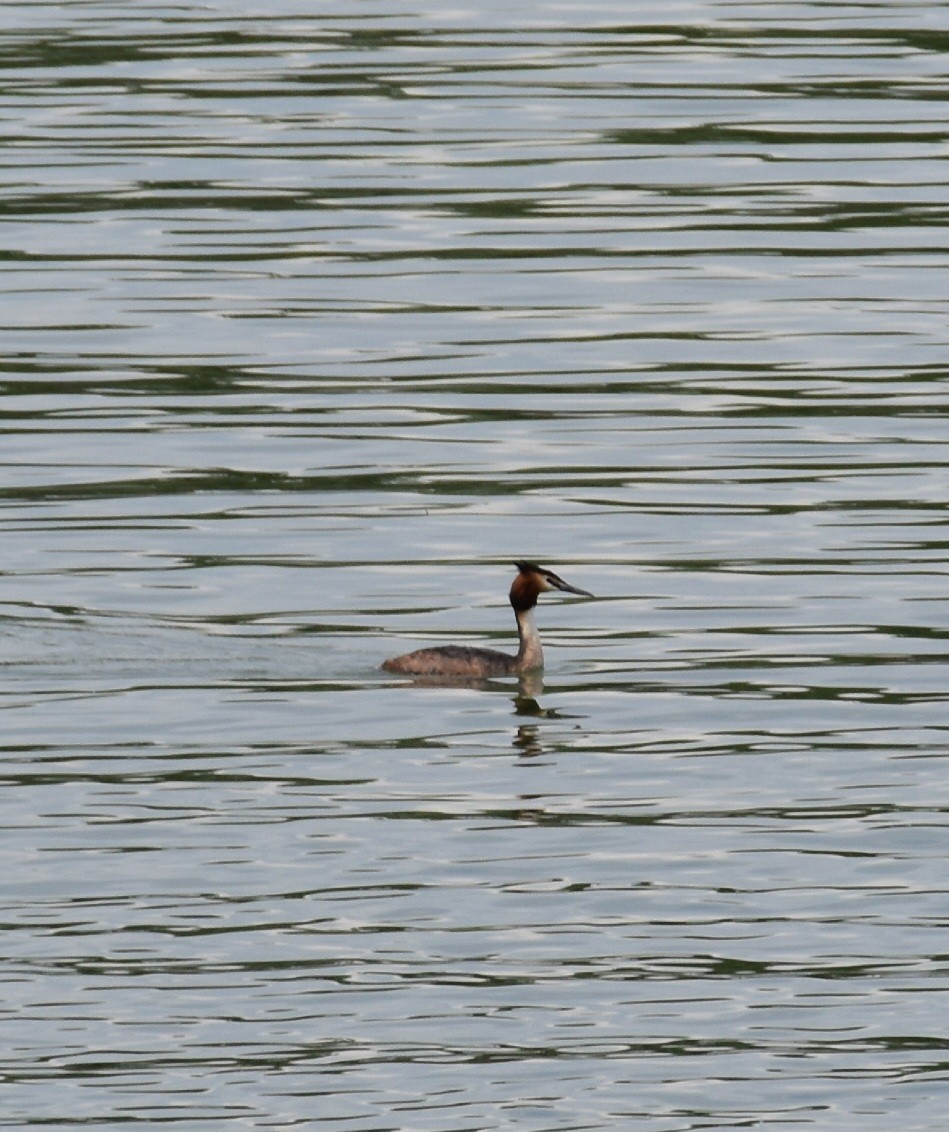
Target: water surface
311,323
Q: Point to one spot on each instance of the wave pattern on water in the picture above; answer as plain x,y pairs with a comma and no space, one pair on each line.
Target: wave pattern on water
309,324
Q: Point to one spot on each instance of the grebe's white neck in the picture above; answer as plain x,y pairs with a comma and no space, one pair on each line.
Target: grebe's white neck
530,654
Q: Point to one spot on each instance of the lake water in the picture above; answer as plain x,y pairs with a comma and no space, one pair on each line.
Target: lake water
315,318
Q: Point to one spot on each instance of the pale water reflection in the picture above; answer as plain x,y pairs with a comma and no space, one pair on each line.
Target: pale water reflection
311,323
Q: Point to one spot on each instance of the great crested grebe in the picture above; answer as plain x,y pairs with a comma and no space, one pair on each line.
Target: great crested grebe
460,660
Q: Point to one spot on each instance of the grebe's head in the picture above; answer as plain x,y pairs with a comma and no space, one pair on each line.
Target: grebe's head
532,580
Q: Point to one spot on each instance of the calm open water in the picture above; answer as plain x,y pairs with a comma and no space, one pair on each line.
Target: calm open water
313,318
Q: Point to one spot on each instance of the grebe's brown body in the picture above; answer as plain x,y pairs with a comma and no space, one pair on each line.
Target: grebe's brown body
460,660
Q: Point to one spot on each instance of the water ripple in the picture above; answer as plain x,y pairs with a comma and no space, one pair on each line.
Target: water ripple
311,323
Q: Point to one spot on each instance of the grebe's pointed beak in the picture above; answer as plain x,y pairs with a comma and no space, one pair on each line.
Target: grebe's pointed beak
560,584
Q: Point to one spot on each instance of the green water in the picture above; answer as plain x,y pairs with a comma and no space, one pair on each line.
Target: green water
311,322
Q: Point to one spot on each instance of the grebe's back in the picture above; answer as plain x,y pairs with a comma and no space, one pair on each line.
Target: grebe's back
478,663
